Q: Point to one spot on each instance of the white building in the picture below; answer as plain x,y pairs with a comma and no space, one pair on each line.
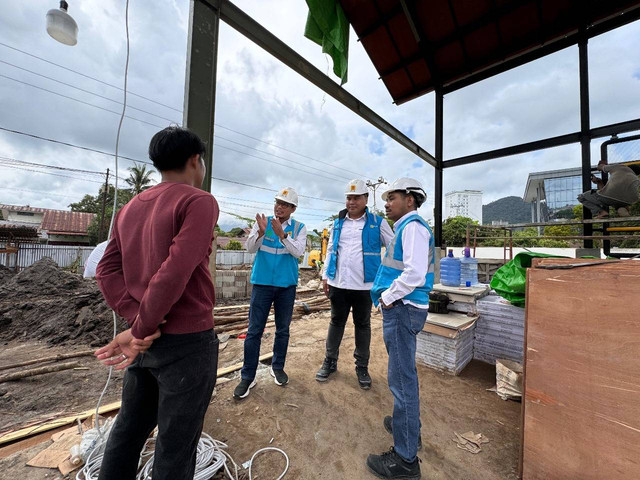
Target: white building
463,203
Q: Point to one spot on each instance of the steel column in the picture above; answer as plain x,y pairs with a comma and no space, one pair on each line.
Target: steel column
200,82
585,127
437,201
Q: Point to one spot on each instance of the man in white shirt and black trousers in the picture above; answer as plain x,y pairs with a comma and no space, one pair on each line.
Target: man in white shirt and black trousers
401,289
353,258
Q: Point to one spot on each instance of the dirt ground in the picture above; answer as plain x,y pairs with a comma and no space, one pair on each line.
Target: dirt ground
326,429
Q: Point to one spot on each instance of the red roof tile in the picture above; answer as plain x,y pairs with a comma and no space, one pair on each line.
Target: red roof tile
63,222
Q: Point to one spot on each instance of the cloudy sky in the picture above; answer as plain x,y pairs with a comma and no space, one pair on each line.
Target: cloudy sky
274,128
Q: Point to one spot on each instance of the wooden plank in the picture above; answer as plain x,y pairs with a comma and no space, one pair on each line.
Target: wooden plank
225,371
33,430
60,422
582,373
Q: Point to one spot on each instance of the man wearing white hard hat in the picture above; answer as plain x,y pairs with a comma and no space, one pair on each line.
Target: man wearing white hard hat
353,258
401,289
278,242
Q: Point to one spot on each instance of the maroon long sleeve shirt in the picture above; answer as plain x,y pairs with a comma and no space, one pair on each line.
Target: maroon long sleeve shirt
156,266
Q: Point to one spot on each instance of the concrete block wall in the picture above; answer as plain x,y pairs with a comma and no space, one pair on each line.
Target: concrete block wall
233,283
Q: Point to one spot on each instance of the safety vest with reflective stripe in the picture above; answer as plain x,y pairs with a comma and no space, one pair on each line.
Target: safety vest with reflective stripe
371,245
274,265
393,265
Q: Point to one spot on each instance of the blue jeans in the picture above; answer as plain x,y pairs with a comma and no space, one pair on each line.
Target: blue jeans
400,326
262,297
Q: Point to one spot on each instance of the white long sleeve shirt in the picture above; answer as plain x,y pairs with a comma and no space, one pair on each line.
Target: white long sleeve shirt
350,267
415,256
295,246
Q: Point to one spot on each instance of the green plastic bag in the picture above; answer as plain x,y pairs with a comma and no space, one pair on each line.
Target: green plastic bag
510,280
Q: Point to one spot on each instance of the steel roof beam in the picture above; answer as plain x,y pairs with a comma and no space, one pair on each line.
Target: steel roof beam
599,132
254,31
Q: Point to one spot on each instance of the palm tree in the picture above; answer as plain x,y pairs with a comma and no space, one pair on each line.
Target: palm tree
139,178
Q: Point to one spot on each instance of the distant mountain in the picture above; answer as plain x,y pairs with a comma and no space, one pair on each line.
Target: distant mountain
508,209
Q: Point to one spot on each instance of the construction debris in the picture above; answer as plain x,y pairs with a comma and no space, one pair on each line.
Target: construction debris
470,441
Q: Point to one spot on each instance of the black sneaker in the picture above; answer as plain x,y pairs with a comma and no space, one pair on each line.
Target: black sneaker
329,366
279,376
363,377
242,390
390,465
388,426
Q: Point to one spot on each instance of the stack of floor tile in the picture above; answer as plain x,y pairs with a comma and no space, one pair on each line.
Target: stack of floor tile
463,299
499,331
446,342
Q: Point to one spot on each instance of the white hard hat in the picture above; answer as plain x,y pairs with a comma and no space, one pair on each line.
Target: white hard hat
356,187
406,185
289,195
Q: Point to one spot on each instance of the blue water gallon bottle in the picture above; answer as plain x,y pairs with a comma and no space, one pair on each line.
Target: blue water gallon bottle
450,270
468,269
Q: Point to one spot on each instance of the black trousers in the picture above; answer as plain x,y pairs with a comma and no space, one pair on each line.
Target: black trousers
342,302
169,386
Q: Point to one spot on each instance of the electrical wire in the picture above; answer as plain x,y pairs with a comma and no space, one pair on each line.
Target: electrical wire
16,167
67,144
335,176
54,167
161,126
211,457
87,76
115,197
276,156
161,104
69,85
78,100
40,192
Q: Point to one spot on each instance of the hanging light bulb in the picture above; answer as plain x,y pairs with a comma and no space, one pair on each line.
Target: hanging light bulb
61,26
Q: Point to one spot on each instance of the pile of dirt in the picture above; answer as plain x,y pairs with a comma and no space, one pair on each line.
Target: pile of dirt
44,302
5,274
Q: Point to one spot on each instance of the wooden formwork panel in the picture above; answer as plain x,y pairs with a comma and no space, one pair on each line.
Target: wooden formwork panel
581,408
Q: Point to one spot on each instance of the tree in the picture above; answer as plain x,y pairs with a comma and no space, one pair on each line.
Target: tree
454,231
93,204
250,221
139,178
233,245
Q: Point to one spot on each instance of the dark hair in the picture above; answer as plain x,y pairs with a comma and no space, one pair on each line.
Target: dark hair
418,200
171,147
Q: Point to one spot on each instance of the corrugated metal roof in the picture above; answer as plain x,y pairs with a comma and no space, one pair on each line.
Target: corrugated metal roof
64,223
22,208
59,222
418,45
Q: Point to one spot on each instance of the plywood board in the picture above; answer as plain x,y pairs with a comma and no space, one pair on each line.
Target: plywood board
581,409
57,452
451,320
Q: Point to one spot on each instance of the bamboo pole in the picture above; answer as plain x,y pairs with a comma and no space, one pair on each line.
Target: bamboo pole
53,358
38,371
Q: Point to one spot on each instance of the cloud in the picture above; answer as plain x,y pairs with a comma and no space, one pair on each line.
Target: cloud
285,115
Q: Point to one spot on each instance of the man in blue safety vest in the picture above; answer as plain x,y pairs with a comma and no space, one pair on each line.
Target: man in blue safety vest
353,258
278,242
401,289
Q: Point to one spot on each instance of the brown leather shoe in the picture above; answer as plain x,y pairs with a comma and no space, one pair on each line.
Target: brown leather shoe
602,214
623,212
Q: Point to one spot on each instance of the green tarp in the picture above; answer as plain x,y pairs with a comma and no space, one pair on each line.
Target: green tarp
510,280
328,27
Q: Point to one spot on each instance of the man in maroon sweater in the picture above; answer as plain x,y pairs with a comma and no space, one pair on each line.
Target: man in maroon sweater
155,274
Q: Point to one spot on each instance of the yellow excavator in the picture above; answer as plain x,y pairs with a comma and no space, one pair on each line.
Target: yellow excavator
317,256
